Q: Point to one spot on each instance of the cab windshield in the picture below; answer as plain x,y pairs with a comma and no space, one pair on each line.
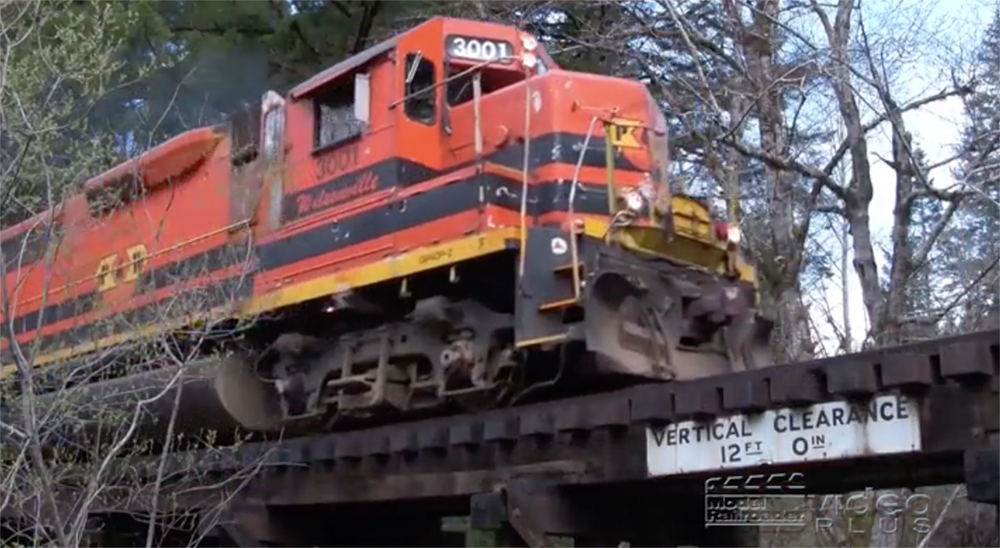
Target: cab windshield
459,90
494,77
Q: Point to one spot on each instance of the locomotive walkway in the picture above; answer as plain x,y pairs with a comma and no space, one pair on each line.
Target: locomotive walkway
636,460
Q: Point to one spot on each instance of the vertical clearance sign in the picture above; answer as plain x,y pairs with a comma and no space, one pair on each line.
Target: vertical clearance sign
827,431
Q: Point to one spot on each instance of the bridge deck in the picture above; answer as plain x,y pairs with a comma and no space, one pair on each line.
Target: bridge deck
940,410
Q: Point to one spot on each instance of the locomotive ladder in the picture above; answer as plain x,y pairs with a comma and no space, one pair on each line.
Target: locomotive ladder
575,229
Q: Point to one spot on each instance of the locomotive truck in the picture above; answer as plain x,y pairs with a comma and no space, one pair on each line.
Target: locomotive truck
445,218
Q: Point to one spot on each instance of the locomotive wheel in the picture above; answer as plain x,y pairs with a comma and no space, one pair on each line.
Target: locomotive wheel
250,401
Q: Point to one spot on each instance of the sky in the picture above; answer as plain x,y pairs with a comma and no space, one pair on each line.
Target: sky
954,25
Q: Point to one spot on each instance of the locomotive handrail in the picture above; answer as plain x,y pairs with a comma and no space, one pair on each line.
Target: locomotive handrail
609,167
160,252
477,117
526,164
571,210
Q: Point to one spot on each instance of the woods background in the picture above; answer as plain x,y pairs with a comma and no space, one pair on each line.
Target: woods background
812,113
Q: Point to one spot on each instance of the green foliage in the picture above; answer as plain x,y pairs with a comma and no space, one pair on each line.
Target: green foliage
969,252
59,59
217,57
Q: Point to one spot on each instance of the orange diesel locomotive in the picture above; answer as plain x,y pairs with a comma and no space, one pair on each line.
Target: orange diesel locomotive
445,217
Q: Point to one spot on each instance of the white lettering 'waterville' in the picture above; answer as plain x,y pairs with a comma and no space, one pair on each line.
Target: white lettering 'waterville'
833,430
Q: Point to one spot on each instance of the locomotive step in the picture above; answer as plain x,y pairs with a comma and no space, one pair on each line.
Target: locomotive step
559,305
567,268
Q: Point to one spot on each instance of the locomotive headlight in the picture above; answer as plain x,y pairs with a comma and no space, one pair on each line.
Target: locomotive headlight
734,235
634,201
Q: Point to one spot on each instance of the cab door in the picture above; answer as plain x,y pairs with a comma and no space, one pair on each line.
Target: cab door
418,76
446,210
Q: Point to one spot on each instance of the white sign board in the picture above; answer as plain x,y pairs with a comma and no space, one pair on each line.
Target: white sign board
827,431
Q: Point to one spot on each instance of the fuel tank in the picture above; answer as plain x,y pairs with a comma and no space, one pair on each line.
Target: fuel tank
107,408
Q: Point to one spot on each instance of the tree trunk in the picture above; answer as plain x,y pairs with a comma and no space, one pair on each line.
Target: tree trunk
757,43
859,191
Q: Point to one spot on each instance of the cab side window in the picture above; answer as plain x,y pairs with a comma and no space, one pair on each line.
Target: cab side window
420,91
335,119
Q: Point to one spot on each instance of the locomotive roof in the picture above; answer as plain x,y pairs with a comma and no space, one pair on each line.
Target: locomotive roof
355,61
344,67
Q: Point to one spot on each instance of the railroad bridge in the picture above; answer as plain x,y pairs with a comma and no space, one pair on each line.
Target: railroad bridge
638,465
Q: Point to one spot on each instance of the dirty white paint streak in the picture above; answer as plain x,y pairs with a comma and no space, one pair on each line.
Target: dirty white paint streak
828,431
